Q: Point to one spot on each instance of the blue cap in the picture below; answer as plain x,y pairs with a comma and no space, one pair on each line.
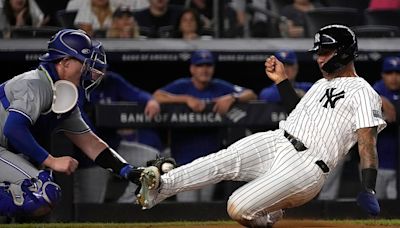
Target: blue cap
391,63
286,56
202,57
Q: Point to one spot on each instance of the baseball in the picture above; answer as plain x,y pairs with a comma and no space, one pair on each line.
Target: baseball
166,167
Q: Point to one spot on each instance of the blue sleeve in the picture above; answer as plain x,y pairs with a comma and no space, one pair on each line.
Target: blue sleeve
81,105
378,87
305,86
16,130
128,92
179,86
270,94
225,87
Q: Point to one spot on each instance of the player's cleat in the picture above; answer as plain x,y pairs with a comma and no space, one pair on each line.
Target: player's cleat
275,216
150,181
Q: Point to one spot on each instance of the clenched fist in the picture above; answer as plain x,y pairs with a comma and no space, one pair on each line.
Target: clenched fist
275,69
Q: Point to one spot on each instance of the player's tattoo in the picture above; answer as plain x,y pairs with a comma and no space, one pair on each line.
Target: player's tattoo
367,147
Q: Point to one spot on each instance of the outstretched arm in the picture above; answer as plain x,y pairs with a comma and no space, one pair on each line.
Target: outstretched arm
369,164
367,138
104,156
276,72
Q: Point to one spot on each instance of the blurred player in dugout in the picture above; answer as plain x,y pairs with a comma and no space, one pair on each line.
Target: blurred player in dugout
196,91
388,145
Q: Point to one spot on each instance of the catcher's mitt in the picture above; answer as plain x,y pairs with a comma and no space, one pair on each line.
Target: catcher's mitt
163,164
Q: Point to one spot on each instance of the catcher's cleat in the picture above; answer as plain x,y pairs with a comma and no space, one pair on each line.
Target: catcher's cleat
150,181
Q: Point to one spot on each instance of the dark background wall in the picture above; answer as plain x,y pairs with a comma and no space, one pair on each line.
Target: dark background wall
154,74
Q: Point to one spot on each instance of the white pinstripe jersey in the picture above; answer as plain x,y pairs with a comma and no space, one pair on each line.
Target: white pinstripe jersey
327,117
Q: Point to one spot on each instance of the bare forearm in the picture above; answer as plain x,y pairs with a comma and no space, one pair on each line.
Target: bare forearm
367,147
247,95
163,97
89,143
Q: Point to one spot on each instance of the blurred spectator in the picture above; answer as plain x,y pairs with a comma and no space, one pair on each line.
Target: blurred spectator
196,91
158,20
18,13
97,15
384,4
388,146
123,24
189,25
258,22
231,22
205,10
76,4
132,4
50,8
295,13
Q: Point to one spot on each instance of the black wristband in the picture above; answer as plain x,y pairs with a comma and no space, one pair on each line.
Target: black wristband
111,160
288,95
368,178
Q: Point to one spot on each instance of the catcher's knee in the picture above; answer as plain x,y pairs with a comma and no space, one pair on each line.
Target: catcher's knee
34,197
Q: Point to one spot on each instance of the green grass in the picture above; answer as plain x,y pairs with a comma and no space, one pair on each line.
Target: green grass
116,225
372,222
378,222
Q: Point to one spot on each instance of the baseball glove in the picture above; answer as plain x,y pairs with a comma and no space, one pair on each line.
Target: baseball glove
163,164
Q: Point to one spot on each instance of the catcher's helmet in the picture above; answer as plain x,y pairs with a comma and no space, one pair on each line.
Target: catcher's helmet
90,82
100,56
338,37
68,42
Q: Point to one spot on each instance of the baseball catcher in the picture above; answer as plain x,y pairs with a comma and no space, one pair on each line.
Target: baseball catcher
37,103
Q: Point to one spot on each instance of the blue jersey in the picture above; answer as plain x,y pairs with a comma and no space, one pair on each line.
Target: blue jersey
189,144
271,93
388,145
115,88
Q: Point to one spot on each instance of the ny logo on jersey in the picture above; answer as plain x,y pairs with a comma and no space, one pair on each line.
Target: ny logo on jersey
331,98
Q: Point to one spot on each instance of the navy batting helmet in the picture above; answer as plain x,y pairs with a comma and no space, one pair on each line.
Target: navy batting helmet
340,38
68,43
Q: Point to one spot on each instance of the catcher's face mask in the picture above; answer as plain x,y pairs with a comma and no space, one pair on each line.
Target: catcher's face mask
94,69
65,96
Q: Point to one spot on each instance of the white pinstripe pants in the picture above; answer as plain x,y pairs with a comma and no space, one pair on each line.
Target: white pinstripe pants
278,176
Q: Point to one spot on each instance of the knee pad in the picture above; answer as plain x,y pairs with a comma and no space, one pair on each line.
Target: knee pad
34,197
50,191
41,194
7,205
